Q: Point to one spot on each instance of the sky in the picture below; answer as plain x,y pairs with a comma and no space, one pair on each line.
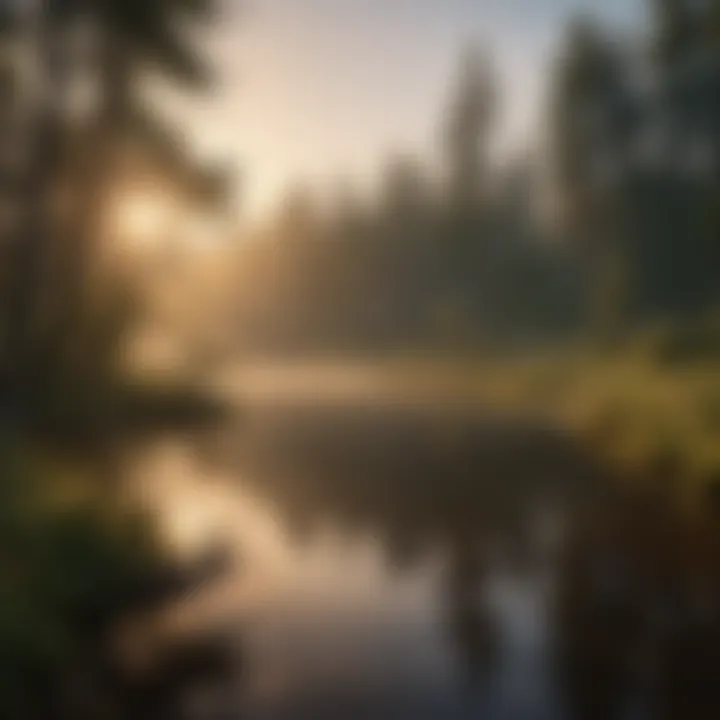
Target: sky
322,92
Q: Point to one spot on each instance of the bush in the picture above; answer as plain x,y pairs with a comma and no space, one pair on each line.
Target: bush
682,342
70,572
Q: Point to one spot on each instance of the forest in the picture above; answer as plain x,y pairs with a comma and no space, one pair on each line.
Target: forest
575,281
606,227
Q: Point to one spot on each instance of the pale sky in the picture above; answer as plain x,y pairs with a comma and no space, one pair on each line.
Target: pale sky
320,90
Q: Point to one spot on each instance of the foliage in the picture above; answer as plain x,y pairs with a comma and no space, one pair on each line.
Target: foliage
77,567
60,567
74,568
625,404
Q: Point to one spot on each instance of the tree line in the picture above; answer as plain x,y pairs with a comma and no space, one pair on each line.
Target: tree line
607,226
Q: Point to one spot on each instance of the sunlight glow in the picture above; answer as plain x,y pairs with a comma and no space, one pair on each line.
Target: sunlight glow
142,219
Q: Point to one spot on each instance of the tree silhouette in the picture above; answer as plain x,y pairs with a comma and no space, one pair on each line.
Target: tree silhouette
467,131
73,574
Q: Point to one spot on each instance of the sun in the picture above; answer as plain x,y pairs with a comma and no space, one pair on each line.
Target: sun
143,218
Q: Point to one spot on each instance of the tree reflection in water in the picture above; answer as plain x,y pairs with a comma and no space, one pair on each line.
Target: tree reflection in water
634,619
469,621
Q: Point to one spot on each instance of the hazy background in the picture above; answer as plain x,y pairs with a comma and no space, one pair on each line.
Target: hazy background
321,90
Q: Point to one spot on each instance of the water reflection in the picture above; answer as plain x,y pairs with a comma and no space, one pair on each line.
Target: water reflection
638,617
433,487
417,561
469,621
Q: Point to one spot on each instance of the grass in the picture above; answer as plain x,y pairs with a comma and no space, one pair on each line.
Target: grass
629,405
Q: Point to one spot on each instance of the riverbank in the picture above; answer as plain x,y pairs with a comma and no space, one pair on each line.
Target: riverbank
631,408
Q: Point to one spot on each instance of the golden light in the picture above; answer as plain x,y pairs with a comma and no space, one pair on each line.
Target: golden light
143,218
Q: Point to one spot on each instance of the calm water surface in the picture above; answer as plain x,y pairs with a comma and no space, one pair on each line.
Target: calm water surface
394,556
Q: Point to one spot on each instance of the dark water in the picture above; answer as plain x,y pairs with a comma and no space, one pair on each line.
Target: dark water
425,561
